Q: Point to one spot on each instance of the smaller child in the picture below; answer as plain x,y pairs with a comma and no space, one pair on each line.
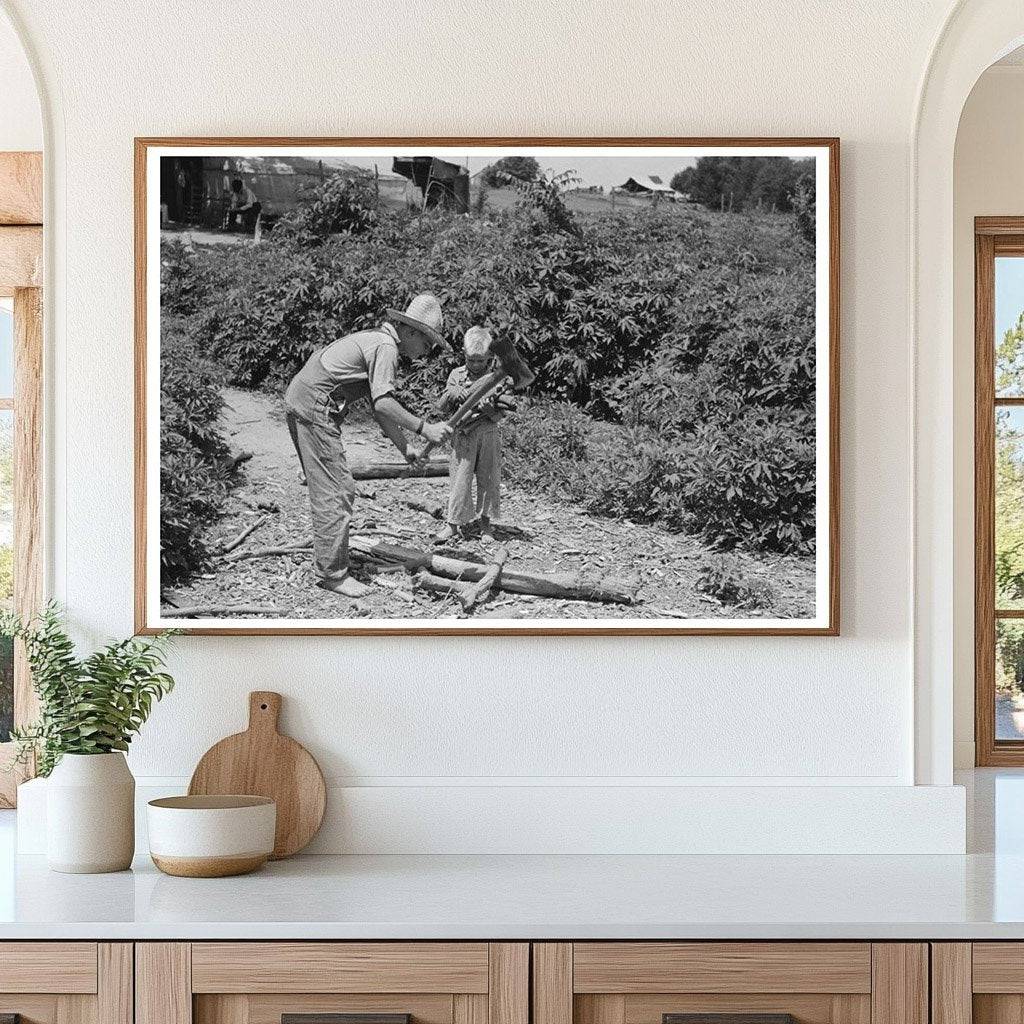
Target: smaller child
476,444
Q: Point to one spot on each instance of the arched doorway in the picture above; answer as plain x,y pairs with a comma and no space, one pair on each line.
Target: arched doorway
975,35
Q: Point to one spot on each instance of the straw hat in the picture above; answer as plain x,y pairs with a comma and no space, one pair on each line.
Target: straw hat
423,313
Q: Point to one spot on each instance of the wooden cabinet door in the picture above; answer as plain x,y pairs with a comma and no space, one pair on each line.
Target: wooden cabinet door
66,982
262,982
979,982
750,982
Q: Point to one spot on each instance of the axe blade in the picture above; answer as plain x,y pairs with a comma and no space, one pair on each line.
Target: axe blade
512,363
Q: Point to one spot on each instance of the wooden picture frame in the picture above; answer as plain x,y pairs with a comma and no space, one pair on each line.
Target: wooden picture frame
21,265
825,622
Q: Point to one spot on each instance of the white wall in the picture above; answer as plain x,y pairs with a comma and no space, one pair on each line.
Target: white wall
441,713
988,181
21,125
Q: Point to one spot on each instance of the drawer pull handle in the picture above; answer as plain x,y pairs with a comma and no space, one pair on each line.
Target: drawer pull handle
728,1018
342,1018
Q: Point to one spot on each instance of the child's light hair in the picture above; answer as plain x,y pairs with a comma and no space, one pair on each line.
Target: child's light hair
477,341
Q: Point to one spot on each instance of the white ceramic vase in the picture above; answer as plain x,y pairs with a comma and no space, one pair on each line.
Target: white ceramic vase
90,814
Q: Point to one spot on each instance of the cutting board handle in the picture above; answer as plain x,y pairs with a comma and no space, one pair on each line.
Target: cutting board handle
264,710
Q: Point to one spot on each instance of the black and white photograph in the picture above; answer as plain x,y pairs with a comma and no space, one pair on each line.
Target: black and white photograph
449,386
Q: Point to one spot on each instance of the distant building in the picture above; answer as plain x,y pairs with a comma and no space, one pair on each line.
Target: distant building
440,183
648,185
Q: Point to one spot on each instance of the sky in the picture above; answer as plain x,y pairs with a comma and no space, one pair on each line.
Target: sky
6,347
1009,293
594,170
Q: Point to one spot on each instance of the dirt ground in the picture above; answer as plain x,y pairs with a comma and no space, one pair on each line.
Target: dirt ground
540,535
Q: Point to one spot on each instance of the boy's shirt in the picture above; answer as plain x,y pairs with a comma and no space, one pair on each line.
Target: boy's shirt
455,393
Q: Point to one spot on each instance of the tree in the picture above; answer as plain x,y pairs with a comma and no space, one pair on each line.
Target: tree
743,182
1010,361
519,168
1009,490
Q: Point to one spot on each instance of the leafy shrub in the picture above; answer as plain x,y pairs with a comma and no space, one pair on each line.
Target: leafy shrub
804,206
547,447
724,578
184,278
338,205
751,482
192,483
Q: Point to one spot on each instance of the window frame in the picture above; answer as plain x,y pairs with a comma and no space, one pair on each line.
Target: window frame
21,253
993,237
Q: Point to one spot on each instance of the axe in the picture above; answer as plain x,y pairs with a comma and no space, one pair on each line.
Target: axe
510,365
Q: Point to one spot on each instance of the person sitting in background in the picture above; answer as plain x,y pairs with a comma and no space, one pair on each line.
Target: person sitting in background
243,207
476,444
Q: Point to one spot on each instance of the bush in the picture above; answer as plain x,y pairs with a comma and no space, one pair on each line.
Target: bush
724,578
192,483
338,205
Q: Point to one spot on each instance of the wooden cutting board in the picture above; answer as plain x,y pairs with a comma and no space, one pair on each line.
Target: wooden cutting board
262,762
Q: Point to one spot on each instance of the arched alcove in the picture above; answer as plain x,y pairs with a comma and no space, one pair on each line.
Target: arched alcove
974,36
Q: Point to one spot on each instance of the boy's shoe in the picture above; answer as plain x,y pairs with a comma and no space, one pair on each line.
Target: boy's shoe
487,531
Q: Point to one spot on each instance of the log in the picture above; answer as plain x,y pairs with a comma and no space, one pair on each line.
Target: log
250,529
444,586
208,611
399,470
489,581
432,509
295,549
515,582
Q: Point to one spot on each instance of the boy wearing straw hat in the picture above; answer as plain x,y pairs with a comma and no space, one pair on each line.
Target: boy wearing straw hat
476,445
360,365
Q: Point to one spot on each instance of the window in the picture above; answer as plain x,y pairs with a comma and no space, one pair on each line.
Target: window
20,493
6,510
999,490
21,374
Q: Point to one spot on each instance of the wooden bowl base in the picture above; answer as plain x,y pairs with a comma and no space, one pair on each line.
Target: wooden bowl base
209,867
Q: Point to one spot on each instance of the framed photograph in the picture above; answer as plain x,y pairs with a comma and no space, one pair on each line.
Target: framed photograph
487,386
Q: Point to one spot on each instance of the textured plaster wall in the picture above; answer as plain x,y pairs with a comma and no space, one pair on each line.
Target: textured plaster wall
731,711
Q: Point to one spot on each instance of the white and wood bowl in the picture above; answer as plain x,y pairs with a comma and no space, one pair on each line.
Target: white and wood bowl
211,836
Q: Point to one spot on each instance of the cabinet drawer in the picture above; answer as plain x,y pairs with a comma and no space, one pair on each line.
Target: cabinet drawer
66,982
340,967
634,967
750,982
260,982
48,967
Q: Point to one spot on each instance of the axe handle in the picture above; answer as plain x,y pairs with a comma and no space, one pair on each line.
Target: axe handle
481,389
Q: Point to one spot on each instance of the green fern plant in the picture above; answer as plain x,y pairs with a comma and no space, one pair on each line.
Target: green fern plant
90,705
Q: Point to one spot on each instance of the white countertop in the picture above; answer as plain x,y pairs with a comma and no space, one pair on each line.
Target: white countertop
978,896
532,897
